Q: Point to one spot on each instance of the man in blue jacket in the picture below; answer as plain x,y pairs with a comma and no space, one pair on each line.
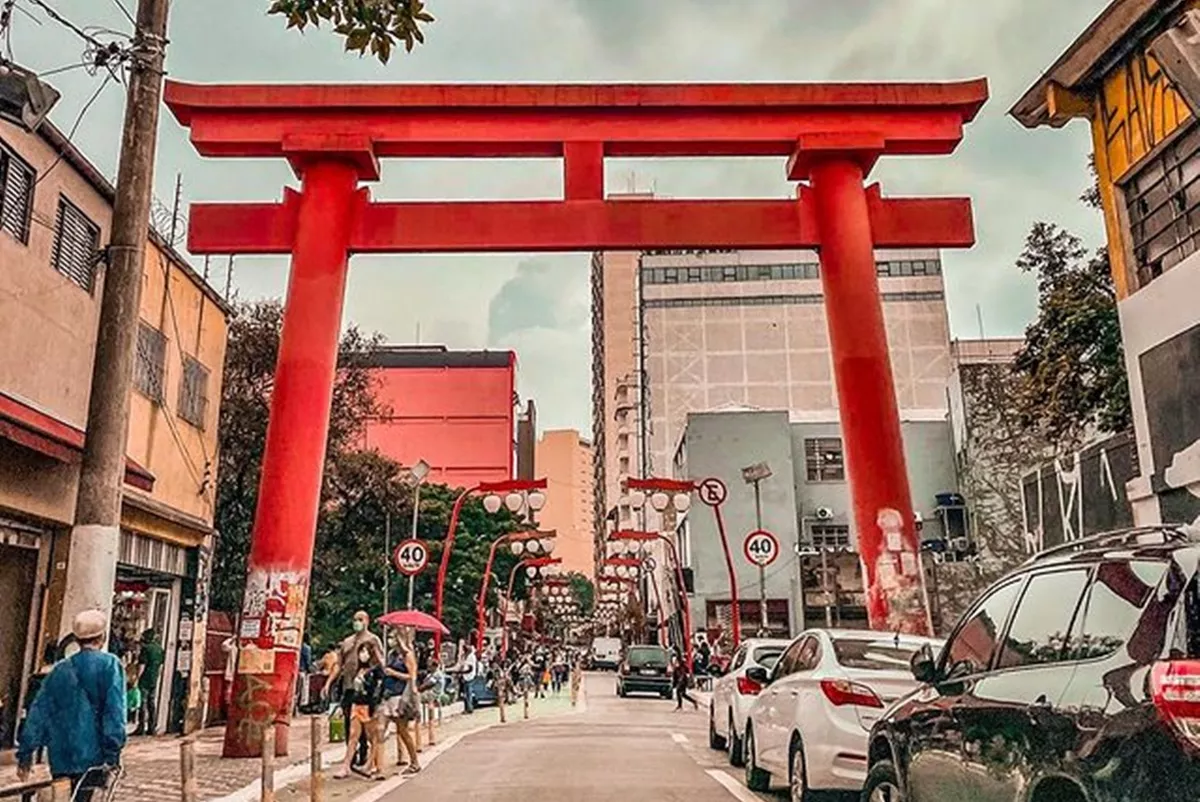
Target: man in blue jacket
79,713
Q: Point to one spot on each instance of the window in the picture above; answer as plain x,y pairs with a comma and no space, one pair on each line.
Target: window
738,659
76,239
787,663
823,459
809,655
1163,203
1042,623
767,656
193,392
1112,612
883,654
831,536
972,646
16,194
150,362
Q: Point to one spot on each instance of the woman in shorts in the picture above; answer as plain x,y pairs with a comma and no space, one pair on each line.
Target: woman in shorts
401,708
364,697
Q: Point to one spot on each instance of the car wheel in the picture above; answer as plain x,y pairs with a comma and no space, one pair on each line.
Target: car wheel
715,741
737,750
798,779
883,784
756,778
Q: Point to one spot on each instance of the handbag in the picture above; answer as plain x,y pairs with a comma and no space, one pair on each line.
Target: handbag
408,708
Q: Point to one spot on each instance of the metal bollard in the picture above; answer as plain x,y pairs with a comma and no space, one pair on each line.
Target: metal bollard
268,764
502,699
188,791
316,785
526,704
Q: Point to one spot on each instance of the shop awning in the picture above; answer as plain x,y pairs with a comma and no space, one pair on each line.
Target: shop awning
39,431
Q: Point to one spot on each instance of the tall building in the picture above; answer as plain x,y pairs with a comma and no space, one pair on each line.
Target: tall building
453,409
1133,77
55,215
683,332
565,460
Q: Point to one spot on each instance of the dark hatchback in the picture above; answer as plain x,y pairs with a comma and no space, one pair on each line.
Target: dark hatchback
1074,679
645,670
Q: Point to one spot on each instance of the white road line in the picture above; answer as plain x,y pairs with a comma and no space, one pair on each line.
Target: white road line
739,791
679,738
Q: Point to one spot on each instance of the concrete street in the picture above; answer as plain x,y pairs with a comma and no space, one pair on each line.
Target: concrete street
617,750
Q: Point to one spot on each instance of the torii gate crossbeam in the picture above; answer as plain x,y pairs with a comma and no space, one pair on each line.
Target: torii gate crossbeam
334,137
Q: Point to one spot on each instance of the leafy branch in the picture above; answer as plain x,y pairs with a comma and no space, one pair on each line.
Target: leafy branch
374,25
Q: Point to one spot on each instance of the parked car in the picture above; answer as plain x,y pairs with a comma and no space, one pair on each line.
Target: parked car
645,669
810,724
734,692
1074,679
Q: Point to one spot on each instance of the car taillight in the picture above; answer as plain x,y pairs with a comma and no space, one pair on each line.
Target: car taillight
748,687
1175,687
841,692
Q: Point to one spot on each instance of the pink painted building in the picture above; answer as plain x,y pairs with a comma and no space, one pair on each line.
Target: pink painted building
453,409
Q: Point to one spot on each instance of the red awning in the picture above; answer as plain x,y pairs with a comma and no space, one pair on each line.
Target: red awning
39,431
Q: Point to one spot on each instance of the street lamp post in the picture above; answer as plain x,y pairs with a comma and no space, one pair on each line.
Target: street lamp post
536,543
532,490
754,475
537,565
629,536
419,471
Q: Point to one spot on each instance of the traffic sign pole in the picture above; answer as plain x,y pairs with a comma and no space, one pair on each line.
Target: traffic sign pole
712,491
761,548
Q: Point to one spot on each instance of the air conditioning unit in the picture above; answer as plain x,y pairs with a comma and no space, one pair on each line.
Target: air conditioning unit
823,513
960,545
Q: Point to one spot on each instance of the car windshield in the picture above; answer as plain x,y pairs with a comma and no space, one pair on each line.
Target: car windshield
884,654
767,656
647,657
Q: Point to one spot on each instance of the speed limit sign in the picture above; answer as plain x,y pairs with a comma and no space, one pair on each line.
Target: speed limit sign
410,557
761,547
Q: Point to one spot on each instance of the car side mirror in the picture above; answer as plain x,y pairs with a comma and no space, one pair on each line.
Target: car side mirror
758,674
924,665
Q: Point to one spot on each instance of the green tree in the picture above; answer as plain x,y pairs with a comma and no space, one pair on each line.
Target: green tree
584,591
375,25
1073,360
249,376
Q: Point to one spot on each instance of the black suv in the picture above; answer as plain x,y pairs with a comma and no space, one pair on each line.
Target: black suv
1074,679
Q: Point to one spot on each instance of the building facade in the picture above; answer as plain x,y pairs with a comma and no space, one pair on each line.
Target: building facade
55,211
699,331
565,460
456,410
1132,76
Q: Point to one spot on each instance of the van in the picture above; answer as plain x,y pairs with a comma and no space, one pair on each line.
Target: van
606,654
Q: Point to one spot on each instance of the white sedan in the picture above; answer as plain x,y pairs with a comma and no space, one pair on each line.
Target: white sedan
810,724
734,692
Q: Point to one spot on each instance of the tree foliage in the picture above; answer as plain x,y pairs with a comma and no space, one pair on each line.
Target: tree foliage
1073,361
361,492
375,25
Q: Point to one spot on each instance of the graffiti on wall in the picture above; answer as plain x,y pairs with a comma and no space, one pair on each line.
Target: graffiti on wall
1172,398
1079,494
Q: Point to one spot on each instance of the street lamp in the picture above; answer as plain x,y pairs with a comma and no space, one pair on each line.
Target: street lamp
754,475
630,536
532,543
533,566
491,502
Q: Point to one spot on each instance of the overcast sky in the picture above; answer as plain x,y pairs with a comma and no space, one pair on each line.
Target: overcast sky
537,304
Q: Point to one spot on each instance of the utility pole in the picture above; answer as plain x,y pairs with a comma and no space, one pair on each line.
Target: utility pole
96,536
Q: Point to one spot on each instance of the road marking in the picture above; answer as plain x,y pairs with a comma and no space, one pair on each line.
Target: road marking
679,738
734,787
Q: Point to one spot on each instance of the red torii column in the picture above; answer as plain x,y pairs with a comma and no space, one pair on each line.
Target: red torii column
332,135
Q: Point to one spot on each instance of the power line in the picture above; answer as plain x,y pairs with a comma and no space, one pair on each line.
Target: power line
125,11
74,128
66,23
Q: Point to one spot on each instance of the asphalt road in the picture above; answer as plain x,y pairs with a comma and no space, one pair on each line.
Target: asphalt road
618,750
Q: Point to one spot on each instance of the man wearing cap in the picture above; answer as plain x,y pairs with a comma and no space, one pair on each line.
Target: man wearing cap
79,712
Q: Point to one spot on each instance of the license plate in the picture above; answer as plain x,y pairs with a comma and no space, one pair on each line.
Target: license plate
648,672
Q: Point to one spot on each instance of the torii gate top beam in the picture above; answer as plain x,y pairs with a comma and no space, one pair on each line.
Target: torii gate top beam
531,121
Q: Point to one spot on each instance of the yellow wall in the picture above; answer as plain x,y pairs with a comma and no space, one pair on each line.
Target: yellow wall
181,456
1135,111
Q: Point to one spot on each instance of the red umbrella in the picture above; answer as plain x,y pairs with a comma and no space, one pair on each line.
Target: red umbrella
415,619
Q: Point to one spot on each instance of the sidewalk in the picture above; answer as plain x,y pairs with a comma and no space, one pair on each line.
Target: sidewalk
152,764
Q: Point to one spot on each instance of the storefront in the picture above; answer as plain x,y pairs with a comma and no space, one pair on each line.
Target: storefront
21,564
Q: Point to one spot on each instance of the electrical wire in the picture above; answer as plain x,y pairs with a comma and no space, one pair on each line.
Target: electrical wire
74,128
125,11
66,23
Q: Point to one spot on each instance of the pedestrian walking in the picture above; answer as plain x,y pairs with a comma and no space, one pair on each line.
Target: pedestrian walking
468,670
681,680
363,694
150,664
363,641
401,705
79,713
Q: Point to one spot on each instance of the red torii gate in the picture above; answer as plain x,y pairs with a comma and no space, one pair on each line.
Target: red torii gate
335,135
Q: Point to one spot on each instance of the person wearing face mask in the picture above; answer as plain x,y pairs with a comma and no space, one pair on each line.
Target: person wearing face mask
348,671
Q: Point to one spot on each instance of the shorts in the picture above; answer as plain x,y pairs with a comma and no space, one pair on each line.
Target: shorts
360,713
389,708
